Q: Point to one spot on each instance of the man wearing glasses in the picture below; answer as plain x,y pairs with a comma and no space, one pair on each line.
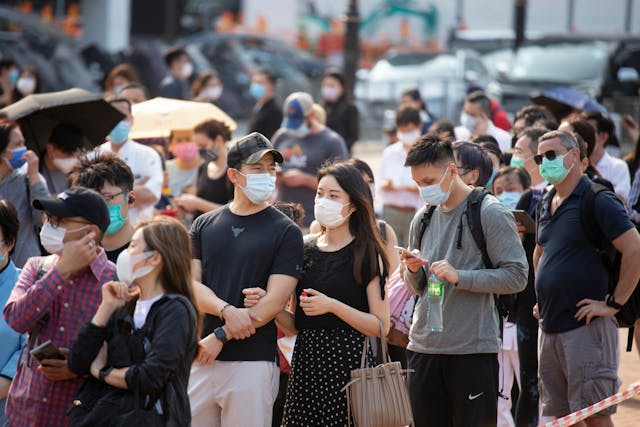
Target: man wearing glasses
579,339
55,296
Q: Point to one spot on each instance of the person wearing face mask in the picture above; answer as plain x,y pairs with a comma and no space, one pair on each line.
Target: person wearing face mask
152,301
340,300
207,87
176,83
61,154
113,180
9,73
182,170
305,145
523,151
57,294
574,300
456,369
342,114
144,161
266,115
12,342
397,192
475,119
21,184
213,188
28,83
262,248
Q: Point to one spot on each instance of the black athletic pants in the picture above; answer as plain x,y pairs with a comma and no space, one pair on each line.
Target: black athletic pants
453,390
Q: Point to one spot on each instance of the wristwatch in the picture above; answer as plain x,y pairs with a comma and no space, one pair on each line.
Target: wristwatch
102,373
611,302
220,334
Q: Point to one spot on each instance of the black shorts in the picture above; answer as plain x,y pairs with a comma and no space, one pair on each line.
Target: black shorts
453,390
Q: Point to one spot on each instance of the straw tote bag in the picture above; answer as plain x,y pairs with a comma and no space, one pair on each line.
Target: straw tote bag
377,396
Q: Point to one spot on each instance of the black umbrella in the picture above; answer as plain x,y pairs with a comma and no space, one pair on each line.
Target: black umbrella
39,114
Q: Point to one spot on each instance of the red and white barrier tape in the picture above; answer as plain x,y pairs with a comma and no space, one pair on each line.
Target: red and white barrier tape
582,414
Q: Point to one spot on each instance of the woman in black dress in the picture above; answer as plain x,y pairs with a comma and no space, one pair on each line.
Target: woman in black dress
341,299
342,114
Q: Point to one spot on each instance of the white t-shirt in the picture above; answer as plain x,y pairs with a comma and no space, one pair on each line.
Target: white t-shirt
616,171
502,136
392,167
144,162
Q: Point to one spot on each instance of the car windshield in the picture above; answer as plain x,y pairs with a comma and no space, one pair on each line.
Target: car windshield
566,63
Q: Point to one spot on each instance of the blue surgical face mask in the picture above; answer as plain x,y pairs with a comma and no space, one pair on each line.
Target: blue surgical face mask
516,162
13,76
117,221
433,194
467,121
17,161
257,90
509,198
493,175
553,171
120,133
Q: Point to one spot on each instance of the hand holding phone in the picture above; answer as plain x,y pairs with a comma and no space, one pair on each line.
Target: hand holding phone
404,252
46,351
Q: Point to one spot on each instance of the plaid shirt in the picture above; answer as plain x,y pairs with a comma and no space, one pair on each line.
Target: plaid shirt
33,399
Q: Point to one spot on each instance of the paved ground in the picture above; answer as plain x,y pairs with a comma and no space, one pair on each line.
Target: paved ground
628,412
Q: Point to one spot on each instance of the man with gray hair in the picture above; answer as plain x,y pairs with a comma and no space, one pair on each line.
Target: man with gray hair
579,339
475,120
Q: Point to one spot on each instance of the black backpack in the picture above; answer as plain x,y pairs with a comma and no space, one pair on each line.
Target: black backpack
611,259
503,303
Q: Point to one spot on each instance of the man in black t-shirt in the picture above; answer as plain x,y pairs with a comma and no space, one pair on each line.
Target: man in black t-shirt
579,339
244,244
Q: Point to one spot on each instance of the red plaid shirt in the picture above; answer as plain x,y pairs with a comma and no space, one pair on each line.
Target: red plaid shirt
33,399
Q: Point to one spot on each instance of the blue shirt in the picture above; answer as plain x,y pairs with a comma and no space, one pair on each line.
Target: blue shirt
12,342
570,268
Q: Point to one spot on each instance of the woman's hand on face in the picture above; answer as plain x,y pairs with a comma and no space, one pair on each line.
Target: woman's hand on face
115,294
252,296
315,303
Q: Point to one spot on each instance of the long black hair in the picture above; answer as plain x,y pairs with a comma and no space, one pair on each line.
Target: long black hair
369,246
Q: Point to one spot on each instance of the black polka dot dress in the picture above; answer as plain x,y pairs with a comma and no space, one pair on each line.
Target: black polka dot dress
321,367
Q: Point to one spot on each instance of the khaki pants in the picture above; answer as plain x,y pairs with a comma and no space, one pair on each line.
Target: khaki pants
227,394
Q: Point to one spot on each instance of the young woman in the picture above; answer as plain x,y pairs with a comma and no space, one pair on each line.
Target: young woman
182,170
158,263
342,115
342,299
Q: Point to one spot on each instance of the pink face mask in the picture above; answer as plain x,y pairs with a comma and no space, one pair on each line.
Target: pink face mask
185,150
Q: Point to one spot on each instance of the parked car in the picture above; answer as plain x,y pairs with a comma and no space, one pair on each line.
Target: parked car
442,78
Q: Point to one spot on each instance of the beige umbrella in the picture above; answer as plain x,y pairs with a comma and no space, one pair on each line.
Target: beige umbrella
159,116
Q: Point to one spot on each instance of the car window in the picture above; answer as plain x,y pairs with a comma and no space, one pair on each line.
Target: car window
565,63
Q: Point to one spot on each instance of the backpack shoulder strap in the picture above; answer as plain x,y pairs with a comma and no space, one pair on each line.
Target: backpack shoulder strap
424,224
474,218
587,214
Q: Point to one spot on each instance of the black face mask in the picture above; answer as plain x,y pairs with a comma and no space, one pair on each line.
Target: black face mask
208,155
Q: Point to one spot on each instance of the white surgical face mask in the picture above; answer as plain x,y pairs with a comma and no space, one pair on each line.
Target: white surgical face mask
468,121
408,138
186,70
125,263
65,164
259,187
52,238
330,93
26,85
329,213
211,93
433,194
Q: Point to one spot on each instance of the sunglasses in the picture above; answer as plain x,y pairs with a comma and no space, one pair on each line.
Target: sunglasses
549,155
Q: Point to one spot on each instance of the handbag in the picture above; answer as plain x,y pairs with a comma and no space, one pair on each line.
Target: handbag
377,396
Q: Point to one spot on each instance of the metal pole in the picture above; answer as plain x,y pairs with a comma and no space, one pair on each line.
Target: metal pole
351,46
520,22
570,9
627,18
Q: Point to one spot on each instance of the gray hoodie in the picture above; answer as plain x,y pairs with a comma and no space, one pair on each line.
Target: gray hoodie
470,320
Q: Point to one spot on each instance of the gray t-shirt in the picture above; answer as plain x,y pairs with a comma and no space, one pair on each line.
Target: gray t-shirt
180,179
307,154
470,320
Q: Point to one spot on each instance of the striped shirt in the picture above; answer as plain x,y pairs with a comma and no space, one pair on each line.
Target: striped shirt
34,400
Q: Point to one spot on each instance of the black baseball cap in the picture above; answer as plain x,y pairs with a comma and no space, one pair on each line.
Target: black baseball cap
250,149
77,201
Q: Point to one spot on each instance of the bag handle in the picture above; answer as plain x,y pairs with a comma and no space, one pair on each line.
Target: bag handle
383,341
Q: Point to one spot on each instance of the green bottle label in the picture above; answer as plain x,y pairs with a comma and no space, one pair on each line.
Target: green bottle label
434,288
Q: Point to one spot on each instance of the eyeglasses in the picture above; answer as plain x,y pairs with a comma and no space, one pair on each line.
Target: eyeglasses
55,221
109,198
549,155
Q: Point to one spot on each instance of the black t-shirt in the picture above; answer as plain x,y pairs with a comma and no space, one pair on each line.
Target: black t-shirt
332,274
113,255
266,118
570,268
240,252
219,190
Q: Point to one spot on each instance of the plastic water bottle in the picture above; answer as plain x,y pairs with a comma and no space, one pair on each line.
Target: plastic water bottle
435,290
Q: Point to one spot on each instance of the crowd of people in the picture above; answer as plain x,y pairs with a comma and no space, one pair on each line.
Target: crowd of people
208,280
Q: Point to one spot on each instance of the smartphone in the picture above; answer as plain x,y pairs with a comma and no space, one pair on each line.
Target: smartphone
47,350
404,252
523,218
